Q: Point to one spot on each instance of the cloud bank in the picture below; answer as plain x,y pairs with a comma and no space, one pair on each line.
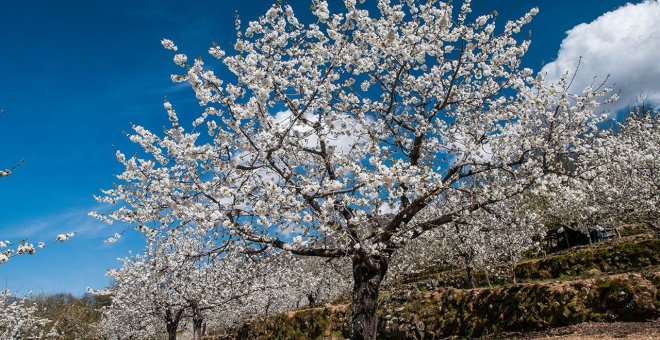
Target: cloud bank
624,43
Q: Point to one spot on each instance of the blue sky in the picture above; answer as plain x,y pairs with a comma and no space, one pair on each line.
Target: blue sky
75,74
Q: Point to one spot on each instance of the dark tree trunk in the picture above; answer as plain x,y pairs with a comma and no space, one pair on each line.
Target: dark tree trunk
470,271
366,286
470,277
311,298
267,308
171,331
198,322
513,273
172,323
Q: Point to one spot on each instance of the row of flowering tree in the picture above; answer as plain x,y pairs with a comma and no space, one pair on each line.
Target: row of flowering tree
359,134
490,240
177,281
615,179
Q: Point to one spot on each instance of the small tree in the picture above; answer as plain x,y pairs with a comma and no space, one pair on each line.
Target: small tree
142,295
322,127
19,320
170,283
75,317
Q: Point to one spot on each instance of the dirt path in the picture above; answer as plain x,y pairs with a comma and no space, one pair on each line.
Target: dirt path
599,331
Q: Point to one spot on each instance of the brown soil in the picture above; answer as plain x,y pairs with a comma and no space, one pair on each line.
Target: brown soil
598,331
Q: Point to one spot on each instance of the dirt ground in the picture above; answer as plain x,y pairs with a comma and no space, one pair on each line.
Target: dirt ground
598,331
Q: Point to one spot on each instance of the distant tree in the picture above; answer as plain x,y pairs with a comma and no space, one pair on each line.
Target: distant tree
75,317
19,319
172,282
615,180
177,281
488,240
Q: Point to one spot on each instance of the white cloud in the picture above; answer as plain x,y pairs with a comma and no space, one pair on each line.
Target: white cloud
343,133
45,228
624,43
464,145
386,209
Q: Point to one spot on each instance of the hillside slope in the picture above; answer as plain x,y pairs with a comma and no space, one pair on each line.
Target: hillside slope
608,282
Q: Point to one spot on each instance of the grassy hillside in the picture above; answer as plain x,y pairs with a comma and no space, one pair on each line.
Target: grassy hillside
620,255
613,281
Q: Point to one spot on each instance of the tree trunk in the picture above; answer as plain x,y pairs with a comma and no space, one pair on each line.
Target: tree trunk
266,309
171,331
311,299
470,272
172,323
198,322
513,273
366,286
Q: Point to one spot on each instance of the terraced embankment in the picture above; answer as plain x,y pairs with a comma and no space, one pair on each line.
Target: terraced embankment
608,282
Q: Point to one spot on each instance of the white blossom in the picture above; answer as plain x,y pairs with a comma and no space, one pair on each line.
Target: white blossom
447,127
180,59
169,45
